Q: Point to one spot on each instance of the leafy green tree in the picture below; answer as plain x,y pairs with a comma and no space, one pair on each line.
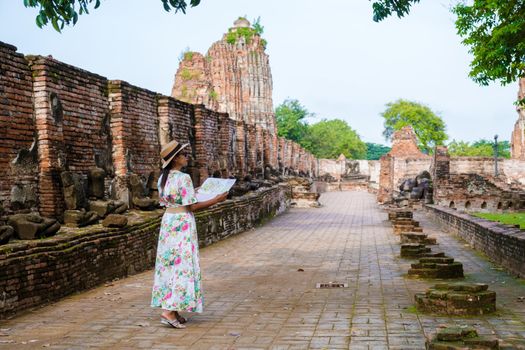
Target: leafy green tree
330,138
66,12
492,29
291,124
374,151
384,8
480,148
429,127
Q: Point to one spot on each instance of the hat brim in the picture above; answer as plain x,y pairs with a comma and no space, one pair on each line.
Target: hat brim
165,163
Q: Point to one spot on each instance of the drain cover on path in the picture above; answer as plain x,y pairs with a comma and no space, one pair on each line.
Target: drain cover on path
331,285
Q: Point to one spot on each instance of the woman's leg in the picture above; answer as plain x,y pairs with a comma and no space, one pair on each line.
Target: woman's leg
170,315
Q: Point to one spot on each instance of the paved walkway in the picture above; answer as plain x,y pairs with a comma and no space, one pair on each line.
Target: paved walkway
257,295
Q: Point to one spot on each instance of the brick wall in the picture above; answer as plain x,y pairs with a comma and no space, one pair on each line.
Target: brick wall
72,126
503,244
177,121
78,120
457,185
18,152
134,125
34,273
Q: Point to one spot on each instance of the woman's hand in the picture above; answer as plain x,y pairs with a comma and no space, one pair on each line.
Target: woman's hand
221,197
202,205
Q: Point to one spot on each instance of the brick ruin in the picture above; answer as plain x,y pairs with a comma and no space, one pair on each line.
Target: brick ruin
63,126
234,77
344,174
518,134
404,161
467,183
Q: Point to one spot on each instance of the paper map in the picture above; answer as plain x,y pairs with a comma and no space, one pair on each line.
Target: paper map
213,187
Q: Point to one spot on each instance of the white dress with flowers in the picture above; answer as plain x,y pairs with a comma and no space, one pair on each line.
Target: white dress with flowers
177,284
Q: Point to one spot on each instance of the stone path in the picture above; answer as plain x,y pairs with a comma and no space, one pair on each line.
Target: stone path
258,297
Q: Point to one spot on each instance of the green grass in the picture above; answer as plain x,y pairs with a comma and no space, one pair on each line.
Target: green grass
504,218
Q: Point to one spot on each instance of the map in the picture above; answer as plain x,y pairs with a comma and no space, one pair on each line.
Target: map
213,187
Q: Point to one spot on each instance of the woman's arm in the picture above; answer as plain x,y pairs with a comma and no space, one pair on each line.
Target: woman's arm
208,203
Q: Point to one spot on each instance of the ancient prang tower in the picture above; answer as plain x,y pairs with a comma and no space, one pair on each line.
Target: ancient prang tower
518,135
234,77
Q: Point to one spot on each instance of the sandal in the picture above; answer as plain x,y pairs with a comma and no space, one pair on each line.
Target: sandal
181,319
173,323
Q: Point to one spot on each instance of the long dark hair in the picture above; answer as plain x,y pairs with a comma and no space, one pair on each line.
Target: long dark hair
164,175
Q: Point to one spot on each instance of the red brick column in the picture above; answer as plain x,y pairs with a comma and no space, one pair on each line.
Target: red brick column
16,128
50,138
241,153
385,179
251,148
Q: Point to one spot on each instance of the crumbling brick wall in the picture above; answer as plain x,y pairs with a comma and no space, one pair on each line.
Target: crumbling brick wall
177,122
18,148
134,119
404,160
471,187
72,126
56,117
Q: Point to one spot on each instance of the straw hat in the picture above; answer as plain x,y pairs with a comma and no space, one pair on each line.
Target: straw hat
170,150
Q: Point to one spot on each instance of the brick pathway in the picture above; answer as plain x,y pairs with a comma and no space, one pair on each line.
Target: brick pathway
256,297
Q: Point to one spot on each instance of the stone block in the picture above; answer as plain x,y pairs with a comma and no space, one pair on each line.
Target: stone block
79,218
73,189
399,213
6,233
32,226
115,220
96,182
458,299
104,208
145,203
436,267
138,187
418,250
461,338
416,237
403,224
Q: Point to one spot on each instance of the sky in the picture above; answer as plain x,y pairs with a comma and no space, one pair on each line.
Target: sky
328,54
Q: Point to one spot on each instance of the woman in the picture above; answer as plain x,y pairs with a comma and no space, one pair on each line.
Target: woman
177,285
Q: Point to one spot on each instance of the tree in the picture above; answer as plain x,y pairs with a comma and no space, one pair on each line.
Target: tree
384,8
290,116
330,138
492,29
66,12
480,148
374,151
429,127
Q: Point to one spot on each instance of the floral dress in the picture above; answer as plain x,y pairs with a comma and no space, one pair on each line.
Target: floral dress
177,284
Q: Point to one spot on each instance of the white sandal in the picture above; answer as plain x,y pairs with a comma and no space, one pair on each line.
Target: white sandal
173,323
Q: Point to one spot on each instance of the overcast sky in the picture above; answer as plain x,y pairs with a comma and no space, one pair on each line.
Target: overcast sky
328,54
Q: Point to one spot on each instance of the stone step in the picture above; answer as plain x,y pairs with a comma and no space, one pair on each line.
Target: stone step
405,221
399,213
437,270
459,299
461,338
399,229
416,237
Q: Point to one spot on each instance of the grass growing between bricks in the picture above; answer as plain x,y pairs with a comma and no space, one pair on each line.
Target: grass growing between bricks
504,218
